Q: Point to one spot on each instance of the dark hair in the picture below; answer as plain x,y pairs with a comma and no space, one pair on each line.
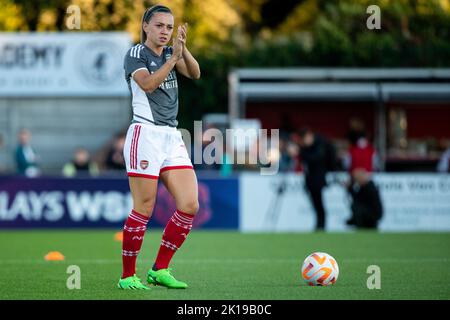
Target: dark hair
148,14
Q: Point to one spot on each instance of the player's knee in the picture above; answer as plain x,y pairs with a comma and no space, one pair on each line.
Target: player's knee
190,207
145,206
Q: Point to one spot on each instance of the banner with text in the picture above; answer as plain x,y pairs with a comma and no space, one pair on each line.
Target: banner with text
63,64
412,202
59,202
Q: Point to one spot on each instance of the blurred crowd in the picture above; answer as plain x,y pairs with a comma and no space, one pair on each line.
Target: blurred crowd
292,154
107,160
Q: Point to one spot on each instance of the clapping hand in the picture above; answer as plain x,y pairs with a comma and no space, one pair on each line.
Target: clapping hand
180,41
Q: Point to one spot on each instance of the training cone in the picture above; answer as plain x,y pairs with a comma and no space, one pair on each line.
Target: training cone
118,236
54,256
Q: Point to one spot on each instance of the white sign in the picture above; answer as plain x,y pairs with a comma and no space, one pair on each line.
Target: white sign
63,64
411,202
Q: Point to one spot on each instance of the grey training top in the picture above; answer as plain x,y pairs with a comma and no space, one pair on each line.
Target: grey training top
159,107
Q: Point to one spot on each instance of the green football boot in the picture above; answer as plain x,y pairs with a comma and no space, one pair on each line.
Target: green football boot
131,283
164,278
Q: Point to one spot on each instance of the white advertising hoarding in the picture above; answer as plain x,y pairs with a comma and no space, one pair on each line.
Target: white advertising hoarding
34,64
411,202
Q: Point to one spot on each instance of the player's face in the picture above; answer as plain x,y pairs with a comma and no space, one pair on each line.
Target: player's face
159,29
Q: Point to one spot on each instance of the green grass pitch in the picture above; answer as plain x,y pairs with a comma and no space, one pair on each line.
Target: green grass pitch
223,265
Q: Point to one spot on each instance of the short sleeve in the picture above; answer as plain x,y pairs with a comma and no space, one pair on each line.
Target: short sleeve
134,61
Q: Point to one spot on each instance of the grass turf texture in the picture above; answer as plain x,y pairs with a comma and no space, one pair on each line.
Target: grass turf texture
228,265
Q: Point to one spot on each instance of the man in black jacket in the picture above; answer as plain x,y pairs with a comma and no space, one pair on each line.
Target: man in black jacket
318,157
366,208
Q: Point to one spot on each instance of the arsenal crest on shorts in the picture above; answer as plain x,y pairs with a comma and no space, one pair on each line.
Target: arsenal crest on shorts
144,164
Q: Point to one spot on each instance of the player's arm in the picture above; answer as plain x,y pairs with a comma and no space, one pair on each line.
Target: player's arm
187,66
150,82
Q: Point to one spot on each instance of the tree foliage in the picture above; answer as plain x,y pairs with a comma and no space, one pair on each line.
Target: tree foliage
225,34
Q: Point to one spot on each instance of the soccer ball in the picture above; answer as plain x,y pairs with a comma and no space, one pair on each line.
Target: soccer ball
320,269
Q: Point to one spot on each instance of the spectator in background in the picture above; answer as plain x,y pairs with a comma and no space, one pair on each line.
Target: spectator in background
317,158
361,154
444,162
356,130
360,162
366,206
209,154
26,159
289,152
114,157
226,168
81,165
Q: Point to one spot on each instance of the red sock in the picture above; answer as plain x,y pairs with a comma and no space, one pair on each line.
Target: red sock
133,235
175,233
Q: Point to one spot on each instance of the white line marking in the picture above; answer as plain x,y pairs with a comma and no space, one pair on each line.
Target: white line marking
228,260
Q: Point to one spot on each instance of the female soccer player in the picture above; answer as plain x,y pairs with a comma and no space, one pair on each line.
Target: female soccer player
154,148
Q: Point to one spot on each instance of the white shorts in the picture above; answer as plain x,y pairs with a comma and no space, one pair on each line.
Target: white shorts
150,150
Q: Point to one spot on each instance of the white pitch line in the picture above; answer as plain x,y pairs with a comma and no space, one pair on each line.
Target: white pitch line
226,261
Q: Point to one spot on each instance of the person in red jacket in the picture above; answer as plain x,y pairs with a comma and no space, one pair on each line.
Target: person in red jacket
362,155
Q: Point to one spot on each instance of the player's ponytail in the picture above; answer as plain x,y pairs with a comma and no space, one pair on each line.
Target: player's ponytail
148,14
